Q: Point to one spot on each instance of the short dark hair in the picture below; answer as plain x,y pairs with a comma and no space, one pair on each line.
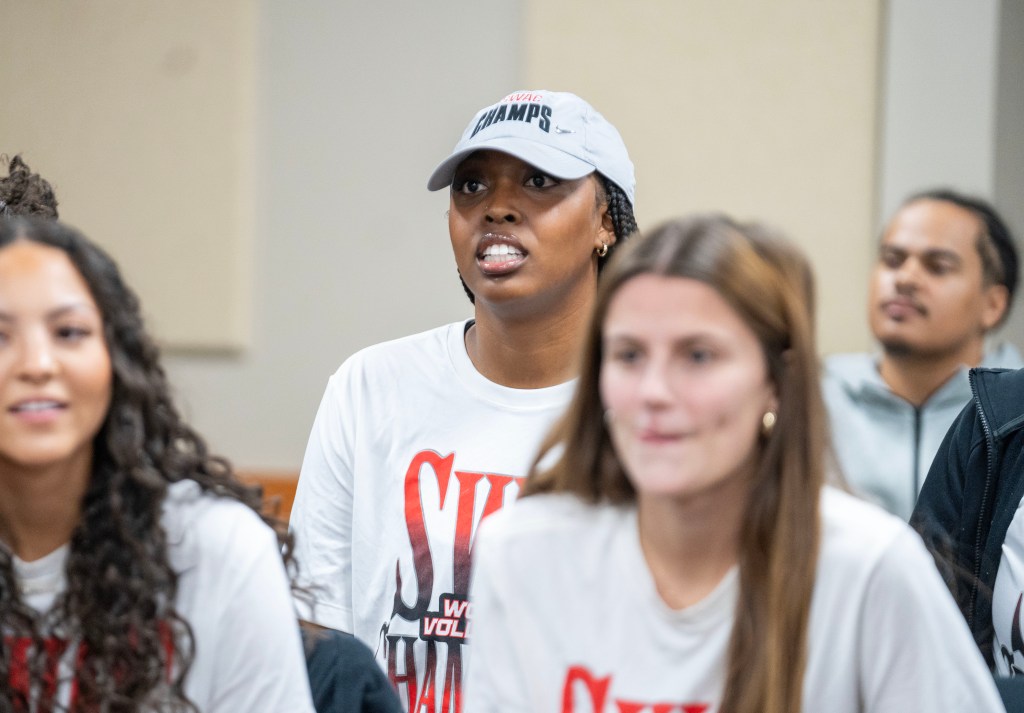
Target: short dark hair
1000,263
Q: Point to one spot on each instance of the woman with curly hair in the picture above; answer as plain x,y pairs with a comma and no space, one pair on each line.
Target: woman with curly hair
676,549
136,574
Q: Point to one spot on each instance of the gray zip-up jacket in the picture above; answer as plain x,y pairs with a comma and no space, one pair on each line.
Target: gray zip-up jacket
884,445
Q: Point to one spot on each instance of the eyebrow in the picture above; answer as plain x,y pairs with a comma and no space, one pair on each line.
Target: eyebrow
938,252
72,307
58,312
927,253
683,340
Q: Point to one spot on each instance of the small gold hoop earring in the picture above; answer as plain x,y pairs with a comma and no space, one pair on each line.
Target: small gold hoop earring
602,251
768,423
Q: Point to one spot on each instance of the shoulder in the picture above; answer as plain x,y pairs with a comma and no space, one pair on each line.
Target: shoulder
848,374
1000,394
1002,355
203,527
413,359
868,553
856,534
849,361
1002,383
538,516
547,547
540,525
431,342
852,365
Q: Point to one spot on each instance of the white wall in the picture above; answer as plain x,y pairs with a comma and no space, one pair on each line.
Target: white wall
1009,139
939,110
953,108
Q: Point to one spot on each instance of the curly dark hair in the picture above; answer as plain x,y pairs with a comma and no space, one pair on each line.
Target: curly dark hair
623,222
120,596
23,192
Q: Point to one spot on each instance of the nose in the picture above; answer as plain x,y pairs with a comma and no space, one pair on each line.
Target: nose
655,388
503,204
38,361
908,275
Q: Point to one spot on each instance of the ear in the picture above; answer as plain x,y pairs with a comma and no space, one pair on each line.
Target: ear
996,300
606,231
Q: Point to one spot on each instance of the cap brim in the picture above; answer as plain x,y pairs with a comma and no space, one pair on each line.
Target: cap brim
549,160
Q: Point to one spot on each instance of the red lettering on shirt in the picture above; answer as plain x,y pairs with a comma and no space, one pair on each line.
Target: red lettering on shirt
583,686
449,625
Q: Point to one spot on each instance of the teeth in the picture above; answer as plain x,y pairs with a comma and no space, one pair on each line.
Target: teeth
501,249
36,406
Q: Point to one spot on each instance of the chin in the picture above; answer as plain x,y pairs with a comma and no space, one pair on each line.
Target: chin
899,347
669,487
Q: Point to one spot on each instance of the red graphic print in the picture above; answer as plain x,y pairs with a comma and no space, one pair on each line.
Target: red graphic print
56,649
449,624
595,691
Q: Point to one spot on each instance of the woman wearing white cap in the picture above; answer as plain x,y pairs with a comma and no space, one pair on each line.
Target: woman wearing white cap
419,439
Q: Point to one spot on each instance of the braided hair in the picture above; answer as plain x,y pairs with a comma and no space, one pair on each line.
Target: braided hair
623,222
120,595
621,212
23,192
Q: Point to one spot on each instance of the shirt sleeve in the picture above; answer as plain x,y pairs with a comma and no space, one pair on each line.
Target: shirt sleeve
258,659
494,681
321,518
916,652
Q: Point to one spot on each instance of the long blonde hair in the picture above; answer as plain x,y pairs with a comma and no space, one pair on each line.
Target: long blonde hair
768,283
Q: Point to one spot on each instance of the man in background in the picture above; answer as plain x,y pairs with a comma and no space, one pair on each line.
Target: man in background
944,279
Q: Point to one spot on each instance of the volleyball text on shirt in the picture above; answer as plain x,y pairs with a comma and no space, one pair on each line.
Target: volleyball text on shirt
444,622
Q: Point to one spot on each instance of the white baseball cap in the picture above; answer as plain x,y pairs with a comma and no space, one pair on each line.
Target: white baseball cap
557,132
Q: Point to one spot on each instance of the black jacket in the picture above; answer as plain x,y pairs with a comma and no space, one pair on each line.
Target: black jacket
344,677
972,492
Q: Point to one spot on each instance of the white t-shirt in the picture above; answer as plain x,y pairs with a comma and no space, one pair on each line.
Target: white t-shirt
410,449
1008,600
567,618
233,592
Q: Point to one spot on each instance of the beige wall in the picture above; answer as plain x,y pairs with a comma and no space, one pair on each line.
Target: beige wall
763,110
141,116
356,104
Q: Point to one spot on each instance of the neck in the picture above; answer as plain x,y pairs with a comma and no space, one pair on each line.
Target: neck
690,546
915,377
528,353
41,507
